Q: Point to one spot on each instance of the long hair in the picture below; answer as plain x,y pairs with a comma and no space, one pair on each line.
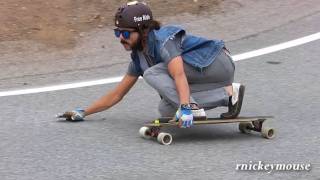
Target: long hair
144,31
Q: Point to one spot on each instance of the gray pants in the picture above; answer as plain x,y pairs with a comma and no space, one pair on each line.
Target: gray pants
206,87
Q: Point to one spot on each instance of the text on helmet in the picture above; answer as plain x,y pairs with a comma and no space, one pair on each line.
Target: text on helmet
141,18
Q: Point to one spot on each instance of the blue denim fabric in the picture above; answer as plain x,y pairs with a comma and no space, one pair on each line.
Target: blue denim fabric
198,52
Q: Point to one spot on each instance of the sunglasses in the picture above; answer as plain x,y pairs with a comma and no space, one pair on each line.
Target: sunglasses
125,33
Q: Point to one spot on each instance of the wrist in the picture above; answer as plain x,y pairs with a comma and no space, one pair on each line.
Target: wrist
185,106
81,111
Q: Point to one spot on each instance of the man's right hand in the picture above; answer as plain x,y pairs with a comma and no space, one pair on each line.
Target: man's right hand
75,115
184,116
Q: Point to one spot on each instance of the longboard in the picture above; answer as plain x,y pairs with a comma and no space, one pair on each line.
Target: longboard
246,125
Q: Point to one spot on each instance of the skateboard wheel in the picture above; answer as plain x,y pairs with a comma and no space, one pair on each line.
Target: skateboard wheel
268,132
164,138
145,132
244,127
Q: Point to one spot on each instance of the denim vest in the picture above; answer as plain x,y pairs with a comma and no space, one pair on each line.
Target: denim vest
197,51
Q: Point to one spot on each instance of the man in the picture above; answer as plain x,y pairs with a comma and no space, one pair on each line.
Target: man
190,73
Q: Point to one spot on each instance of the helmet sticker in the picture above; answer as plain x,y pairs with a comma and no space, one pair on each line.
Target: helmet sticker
132,3
144,17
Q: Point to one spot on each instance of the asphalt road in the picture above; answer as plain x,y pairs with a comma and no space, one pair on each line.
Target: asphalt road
35,145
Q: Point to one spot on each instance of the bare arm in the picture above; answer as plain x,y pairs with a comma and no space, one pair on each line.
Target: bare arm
112,97
176,70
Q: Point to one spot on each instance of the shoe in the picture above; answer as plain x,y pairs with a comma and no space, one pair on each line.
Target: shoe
235,102
198,114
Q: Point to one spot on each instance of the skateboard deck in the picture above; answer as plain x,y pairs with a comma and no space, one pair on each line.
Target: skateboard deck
246,125
167,121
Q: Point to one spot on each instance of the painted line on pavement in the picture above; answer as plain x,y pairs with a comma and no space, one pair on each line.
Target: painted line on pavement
239,57
278,47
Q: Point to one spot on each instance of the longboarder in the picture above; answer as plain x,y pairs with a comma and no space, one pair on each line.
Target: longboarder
191,74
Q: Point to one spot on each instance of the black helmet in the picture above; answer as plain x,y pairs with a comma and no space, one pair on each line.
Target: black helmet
133,15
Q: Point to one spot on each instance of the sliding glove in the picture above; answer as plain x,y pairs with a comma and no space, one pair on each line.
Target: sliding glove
184,116
75,115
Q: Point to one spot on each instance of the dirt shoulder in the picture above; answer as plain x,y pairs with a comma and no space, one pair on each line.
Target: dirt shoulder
58,23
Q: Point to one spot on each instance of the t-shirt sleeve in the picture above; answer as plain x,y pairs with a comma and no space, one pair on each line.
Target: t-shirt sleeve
132,70
172,48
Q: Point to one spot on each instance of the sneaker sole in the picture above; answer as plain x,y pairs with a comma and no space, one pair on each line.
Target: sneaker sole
240,99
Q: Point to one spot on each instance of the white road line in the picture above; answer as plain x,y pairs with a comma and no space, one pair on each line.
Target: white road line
277,47
243,56
61,87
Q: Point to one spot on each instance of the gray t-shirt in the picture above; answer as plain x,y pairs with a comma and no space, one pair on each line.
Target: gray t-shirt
172,49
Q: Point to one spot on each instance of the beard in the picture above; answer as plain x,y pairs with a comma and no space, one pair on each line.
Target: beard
133,46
